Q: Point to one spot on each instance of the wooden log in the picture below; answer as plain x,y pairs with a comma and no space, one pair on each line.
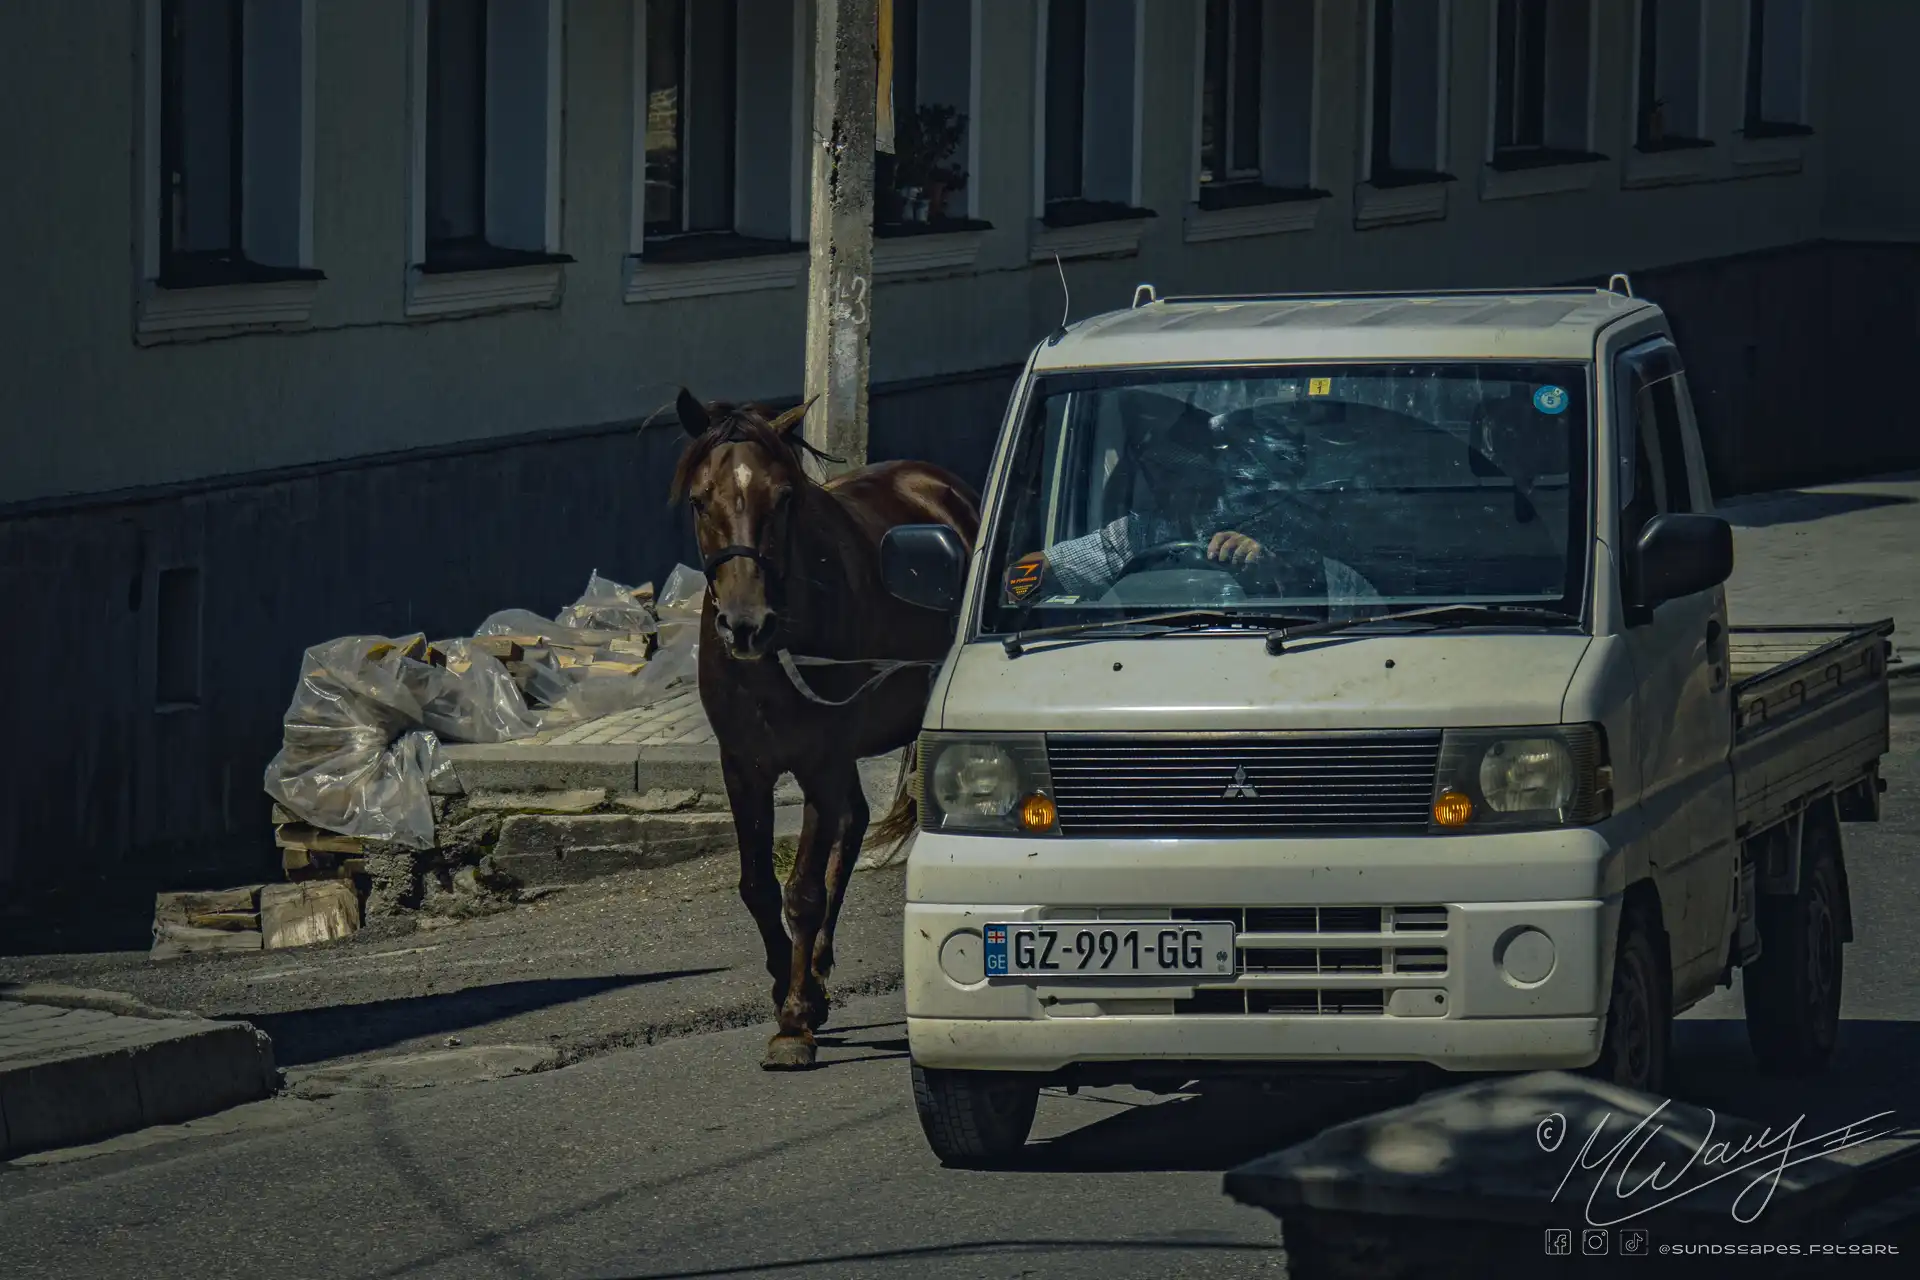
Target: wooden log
229,920
171,939
174,908
505,648
298,915
298,835
602,667
294,858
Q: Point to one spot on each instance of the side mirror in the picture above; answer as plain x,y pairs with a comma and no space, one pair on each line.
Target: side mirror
1680,555
924,564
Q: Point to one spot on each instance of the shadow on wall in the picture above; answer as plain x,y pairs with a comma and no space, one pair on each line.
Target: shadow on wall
1797,506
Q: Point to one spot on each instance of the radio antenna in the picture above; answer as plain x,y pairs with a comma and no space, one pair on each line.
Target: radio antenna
1066,296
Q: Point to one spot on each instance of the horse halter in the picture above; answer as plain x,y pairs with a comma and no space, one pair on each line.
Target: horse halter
775,575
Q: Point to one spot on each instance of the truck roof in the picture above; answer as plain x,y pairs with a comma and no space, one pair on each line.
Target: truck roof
1222,329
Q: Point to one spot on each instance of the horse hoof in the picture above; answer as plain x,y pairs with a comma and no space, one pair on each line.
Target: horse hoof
788,1053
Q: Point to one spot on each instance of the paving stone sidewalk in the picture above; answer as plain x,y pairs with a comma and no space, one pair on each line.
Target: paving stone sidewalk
75,1074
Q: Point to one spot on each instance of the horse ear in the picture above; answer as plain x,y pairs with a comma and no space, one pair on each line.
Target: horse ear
693,414
791,418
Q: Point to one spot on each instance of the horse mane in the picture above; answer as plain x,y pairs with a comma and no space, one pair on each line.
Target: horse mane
747,424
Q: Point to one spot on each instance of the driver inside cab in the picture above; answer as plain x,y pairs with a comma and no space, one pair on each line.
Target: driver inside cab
1193,486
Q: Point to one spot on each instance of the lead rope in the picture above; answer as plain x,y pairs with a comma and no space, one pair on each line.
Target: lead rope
887,666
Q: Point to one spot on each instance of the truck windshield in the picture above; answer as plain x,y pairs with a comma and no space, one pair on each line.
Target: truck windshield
1330,491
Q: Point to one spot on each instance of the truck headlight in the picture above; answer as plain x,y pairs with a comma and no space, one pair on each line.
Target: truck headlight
1551,776
984,783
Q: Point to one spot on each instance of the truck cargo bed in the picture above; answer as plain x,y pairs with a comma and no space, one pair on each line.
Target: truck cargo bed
1810,712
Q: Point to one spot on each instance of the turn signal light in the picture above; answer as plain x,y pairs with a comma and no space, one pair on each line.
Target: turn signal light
1453,809
1036,813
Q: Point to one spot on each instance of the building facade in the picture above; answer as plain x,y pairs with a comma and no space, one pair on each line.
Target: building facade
347,316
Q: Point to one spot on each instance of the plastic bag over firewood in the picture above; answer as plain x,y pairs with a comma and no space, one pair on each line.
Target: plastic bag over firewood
362,734
611,606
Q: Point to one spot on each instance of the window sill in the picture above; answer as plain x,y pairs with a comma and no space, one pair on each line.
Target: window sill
1676,161
1401,201
734,266
1264,212
435,292
1540,174
1089,229
934,248
207,309
1770,149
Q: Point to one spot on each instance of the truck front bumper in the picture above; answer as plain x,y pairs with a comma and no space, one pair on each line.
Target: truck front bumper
1472,954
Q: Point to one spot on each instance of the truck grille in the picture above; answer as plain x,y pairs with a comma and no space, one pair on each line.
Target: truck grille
1242,786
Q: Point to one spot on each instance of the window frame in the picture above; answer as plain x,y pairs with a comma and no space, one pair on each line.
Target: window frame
497,258
1548,152
160,267
963,212
1259,186
1645,62
1376,138
1129,206
1753,122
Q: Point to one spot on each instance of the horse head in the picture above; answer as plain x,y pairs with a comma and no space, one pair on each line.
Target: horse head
742,476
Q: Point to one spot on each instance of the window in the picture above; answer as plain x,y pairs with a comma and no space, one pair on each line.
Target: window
717,160
1776,61
1256,112
1669,95
231,98
1543,63
1408,99
1654,473
487,141
924,179
1090,124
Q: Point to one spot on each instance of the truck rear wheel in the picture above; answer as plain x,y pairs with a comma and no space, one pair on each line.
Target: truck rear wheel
974,1119
1639,1010
1792,991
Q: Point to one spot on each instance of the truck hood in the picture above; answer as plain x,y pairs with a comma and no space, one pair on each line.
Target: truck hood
1180,683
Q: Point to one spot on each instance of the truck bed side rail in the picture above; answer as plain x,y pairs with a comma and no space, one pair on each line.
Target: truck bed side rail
1811,714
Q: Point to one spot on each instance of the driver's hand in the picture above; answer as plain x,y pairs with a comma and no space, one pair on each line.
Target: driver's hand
1233,548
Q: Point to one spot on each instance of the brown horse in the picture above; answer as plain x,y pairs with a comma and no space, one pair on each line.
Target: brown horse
793,578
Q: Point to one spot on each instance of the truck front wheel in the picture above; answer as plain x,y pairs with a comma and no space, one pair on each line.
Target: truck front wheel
1792,991
974,1119
1639,1010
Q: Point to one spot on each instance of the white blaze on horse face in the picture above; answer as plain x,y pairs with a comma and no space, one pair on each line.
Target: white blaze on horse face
744,615
743,476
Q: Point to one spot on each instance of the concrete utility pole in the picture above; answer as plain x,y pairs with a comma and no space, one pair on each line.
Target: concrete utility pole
840,275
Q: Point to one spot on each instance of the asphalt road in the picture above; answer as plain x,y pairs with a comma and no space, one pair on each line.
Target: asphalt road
680,1158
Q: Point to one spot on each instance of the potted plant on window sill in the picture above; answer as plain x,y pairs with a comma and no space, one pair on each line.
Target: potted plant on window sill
925,172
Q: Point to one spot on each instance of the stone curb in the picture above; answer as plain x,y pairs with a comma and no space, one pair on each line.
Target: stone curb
122,1066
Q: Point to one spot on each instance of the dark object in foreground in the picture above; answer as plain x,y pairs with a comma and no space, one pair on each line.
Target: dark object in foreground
1492,1174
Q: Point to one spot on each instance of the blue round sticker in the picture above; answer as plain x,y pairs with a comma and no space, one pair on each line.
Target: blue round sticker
1550,399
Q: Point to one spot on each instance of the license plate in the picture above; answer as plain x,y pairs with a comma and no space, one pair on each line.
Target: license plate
1111,949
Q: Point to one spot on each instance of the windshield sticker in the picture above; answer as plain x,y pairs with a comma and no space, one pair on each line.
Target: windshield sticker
1061,600
1319,386
1023,575
1550,399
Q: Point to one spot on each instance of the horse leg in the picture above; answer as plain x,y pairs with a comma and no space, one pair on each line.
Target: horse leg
846,852
750,796
792,1046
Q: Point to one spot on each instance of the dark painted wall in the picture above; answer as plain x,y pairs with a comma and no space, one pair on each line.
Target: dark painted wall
1796,359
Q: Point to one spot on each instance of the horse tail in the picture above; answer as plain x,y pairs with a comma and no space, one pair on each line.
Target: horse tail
900,822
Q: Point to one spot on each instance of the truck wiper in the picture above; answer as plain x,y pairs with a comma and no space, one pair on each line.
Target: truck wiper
1180,620
1438,615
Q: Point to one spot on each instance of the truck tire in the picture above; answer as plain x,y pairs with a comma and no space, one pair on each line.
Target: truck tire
1633,1053
974,1119
1792,991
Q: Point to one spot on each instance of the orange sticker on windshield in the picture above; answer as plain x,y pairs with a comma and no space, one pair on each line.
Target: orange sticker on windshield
1024,574
1319,386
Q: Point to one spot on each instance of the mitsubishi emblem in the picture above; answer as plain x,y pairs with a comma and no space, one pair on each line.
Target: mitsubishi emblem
1240,788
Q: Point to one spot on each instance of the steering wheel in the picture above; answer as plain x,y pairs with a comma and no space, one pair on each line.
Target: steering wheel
1186,554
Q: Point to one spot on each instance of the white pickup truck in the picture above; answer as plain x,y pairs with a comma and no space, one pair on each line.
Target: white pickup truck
1345,683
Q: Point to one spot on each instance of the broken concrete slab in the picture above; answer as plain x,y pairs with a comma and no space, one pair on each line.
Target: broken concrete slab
554,848
662,800
306,912
72,1075
467,1065
511,766
1477,1174
584,800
